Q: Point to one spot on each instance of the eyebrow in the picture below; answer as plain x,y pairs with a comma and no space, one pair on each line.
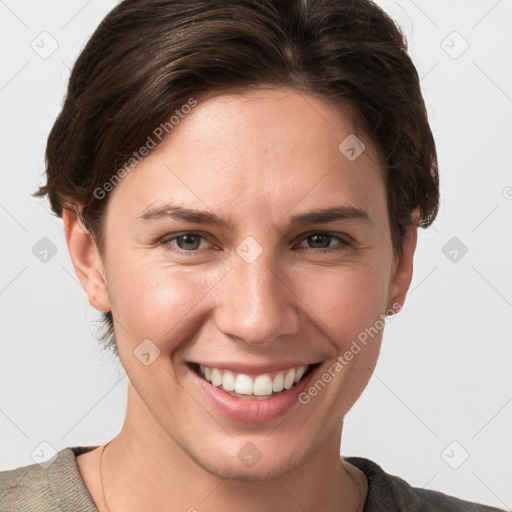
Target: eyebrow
180,213
317,216
331,214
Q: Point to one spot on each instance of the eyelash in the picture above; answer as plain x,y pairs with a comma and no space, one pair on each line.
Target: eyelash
166,242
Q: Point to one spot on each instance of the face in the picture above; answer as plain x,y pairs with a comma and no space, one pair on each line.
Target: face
244,305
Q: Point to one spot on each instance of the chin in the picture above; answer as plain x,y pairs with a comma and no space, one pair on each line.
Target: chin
227,466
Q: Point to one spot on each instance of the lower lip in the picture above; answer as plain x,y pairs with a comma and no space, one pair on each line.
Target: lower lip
253,411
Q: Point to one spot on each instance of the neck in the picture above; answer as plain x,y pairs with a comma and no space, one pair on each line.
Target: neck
145,469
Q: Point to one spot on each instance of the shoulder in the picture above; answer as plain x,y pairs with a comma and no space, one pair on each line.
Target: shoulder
393,494
52,485
25,488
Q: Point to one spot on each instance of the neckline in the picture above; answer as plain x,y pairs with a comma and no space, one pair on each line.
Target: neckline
368,467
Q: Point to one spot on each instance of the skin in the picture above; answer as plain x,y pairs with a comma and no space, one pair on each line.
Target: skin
253,159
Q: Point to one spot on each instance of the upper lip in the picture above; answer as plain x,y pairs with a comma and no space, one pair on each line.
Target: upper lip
248,369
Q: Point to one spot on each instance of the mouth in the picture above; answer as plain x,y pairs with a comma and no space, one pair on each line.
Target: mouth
250,394
262,386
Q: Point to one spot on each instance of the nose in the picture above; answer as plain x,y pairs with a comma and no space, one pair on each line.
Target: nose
257,303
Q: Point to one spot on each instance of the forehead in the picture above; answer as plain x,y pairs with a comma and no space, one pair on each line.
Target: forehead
271,148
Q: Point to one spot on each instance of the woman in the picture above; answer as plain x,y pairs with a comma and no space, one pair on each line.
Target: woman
241,183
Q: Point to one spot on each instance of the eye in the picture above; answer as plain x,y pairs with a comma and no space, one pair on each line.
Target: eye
321,242
189,243
184,243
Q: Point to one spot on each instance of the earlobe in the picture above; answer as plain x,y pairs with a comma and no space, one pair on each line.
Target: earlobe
86,260
403,267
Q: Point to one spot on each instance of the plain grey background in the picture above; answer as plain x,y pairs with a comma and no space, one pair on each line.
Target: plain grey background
438,410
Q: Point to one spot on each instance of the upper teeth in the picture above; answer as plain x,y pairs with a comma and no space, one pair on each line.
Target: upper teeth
261,385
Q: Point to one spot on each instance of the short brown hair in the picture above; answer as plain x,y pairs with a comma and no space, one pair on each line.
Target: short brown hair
149,57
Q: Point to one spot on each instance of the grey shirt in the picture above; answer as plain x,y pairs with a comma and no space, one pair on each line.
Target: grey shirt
60,487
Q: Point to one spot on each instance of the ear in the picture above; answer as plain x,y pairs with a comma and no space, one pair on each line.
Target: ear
86,261
403,266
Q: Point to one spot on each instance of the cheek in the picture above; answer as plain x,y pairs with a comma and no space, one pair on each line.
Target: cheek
345,300
158,302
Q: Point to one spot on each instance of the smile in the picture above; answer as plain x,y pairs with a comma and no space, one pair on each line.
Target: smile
259,387
250,394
